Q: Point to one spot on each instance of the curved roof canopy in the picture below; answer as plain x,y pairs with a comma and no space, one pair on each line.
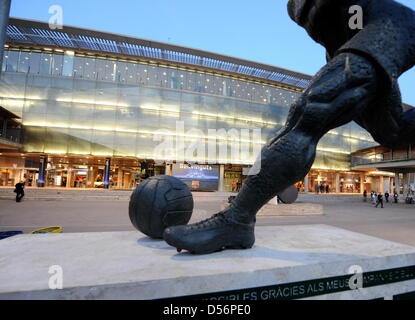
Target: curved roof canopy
38,33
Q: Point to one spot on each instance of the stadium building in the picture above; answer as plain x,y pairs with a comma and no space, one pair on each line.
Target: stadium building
399,161
83,108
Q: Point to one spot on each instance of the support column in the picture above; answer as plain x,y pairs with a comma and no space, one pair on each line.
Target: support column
405,183
362,183
120,179
306,184
42,172
4,129
127,180
90,177
390,189
222,178
381,184
69,178
397,183
337,183
16,176
107,173
4,22
169,170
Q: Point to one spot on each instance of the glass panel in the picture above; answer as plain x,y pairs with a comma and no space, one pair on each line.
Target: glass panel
56,140
12,59
110,69
131,73
106,105
78,71
57,64
24,62
58,113
100,69
79,141
127,119
82,116
35,138
122,69
89,69
104,117
34,62
102,143
68,62
125,144
45,64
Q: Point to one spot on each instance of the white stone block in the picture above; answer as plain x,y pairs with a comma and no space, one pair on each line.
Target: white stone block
306,261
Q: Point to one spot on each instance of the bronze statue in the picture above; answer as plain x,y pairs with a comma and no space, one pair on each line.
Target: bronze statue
358,83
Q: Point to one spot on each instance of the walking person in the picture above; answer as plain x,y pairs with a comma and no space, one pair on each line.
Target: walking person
380,200
374,196
238,185
233,185
396,197
387,195
19,191
365,196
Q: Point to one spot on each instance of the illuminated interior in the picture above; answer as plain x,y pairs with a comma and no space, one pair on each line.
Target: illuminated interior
86,97
72,104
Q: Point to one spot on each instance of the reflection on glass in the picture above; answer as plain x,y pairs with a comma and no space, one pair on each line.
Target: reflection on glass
86,105
68,60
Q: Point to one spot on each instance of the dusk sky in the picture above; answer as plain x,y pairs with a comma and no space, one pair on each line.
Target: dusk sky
254,30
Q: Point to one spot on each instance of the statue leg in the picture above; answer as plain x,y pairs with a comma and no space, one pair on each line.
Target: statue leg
386,121
337,93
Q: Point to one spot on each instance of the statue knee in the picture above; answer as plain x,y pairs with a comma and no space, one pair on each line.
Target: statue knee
345,71
359,68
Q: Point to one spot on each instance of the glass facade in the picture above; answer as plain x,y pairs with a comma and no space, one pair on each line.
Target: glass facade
101,106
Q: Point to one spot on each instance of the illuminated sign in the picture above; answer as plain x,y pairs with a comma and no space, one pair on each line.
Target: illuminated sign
198,177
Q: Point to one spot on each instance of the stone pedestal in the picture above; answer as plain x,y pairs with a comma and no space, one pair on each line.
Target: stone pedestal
294,209
287,262
272,209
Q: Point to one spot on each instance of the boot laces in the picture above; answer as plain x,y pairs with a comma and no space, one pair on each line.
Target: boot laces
215,220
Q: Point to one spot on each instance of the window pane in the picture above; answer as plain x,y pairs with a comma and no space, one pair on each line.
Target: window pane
46,64
67,69
12,59
78,70
24,62
57,63
34,63
100,69
89,69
